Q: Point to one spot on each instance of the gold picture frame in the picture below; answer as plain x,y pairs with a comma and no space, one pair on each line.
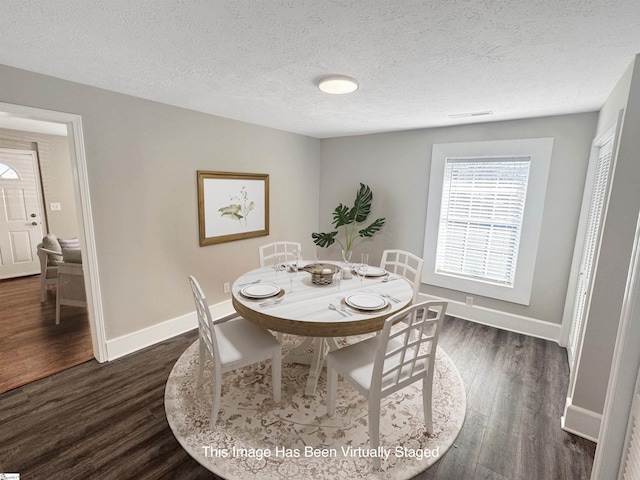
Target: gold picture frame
232,206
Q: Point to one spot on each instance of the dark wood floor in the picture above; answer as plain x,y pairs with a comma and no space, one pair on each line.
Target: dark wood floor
107,421
32,346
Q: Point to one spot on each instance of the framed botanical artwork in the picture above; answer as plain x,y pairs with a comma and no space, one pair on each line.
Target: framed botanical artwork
232,206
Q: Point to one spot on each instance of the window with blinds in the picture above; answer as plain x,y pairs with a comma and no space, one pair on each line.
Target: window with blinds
482,209
484,216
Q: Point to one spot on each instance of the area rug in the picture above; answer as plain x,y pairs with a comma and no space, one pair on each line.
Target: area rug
295,439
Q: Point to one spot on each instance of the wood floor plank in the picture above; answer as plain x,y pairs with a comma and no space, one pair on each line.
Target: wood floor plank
107,421
483,473
485,387
461,460
500,444
32,346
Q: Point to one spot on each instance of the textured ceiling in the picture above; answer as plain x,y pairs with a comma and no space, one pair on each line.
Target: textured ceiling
417,61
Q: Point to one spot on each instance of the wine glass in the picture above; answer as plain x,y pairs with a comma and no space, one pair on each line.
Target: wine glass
277,264
337,277
292,267
364,264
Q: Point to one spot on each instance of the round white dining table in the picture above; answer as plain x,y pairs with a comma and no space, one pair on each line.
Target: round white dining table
318,312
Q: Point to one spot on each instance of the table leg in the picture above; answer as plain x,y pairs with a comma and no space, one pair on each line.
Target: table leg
319,346
299,354
332,343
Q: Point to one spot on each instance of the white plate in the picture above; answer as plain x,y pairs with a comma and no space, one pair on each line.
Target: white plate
376,272
366,301
262,290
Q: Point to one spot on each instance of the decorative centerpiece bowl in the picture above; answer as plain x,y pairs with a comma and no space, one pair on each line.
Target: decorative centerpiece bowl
321,273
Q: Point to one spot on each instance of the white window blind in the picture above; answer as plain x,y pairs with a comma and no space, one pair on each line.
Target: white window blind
482,209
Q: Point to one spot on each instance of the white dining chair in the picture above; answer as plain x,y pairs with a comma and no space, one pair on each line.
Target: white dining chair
232,343
377,367
406,264
285,250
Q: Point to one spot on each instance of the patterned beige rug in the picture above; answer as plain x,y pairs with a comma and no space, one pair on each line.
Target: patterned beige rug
295,439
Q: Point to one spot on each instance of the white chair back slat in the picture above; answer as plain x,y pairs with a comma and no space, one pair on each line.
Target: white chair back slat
406,264
206,329
407,354
286,251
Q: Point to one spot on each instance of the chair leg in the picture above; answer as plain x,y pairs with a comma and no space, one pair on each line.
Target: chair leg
276,373
332,387
374,426
43,290
217,393
57,309
426,399
201,361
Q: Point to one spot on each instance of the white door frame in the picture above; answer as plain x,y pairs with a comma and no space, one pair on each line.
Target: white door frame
85,217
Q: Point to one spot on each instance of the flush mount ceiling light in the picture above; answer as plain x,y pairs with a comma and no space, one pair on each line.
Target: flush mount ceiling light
338,84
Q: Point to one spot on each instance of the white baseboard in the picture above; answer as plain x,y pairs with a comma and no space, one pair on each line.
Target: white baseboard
581,421
146,337
503,320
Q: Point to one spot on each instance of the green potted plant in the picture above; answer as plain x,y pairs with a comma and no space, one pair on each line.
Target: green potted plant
348,219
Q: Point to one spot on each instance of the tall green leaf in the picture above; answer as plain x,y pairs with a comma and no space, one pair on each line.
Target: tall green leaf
362,205
371,229
341,216
324,239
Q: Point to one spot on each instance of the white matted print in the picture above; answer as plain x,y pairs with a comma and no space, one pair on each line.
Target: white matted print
232,206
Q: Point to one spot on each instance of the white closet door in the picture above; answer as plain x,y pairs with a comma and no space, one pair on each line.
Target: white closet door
590,249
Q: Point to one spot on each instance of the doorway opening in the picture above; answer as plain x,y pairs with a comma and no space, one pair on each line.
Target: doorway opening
78,189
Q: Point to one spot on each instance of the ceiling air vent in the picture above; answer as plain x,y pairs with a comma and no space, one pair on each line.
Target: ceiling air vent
470,114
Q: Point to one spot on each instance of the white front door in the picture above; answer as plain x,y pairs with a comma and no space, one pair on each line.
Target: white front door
20,213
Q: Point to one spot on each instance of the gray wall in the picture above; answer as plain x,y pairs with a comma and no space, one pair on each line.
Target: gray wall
612,267
397,166
55,171
142,159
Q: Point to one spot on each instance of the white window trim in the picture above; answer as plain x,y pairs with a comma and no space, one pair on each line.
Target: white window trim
539,149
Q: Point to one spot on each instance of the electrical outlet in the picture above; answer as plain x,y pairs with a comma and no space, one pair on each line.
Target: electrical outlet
55,206
225,287
469,301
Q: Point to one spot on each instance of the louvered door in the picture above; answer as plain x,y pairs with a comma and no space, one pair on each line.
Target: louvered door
590,249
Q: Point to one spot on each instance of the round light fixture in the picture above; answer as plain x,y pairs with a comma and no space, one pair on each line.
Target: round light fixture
338,84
